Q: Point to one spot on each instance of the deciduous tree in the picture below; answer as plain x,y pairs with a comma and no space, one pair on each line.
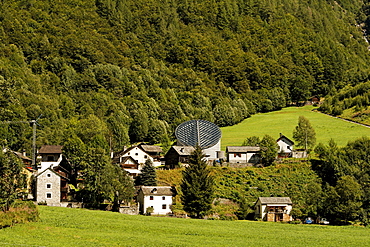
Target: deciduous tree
304,134
12,179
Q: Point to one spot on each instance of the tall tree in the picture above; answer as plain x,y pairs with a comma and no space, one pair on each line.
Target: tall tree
101,180
12,179
269,150
197,185
148,176
304,134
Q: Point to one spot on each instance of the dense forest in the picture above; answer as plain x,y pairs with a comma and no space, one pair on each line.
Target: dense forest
108,73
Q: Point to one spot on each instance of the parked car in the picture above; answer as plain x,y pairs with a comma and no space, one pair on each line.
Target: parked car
308,220
324,221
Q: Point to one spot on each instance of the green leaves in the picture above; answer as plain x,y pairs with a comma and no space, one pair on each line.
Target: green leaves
12,179
304,134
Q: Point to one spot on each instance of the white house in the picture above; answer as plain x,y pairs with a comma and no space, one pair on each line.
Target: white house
157,197
243,154
273,208
131,166
285,146
50,156
138,154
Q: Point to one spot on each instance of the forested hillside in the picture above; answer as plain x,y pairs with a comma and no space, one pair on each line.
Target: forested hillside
111,72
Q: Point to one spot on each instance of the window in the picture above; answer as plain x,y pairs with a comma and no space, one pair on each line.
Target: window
151,198
48,175
237,155
51,158
48,195
164,206
48,186
163,198
136,154
145,156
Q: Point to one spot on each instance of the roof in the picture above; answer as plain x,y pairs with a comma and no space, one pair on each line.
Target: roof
20,155
52,172
151,148
286,138
242,149
126,158
275,200
50,149
184,150
157,190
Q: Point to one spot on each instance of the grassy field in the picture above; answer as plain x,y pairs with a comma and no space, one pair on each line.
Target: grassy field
78,227
285,120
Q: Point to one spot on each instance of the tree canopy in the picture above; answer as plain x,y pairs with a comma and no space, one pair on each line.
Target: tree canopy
304,134
114,72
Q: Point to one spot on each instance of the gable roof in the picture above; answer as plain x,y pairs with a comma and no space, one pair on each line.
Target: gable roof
20,155
183,150
242,149
275,200
151,148
52,172
126,158
157,190
50,149
286,138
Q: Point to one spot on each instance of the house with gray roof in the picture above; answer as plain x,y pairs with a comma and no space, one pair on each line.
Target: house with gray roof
243,154
273,209
178,156
159,198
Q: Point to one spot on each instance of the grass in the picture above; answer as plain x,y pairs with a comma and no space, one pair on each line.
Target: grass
78,227
285,121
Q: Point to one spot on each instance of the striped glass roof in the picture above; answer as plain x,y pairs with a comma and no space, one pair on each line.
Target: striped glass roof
201,132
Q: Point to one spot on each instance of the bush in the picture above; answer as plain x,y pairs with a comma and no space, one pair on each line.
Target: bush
19,212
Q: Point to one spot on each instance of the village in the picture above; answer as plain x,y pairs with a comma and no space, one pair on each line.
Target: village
49,181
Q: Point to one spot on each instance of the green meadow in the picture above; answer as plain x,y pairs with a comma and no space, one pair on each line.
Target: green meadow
285,120
79,227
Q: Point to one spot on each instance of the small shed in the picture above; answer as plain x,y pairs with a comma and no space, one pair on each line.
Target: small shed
273,208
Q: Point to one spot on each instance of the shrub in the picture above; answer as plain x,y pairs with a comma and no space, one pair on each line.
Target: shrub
19,212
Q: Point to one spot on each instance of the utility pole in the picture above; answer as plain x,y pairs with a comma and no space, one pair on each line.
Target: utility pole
34,123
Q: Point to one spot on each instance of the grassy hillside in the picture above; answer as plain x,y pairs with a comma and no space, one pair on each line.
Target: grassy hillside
78,227
285,120
109,73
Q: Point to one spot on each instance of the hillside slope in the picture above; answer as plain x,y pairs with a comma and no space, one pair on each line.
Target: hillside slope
112,72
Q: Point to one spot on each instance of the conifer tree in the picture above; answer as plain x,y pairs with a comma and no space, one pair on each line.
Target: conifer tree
148,176
197,186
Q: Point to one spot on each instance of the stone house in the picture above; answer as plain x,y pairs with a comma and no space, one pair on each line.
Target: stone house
51,187
157,197
273,209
